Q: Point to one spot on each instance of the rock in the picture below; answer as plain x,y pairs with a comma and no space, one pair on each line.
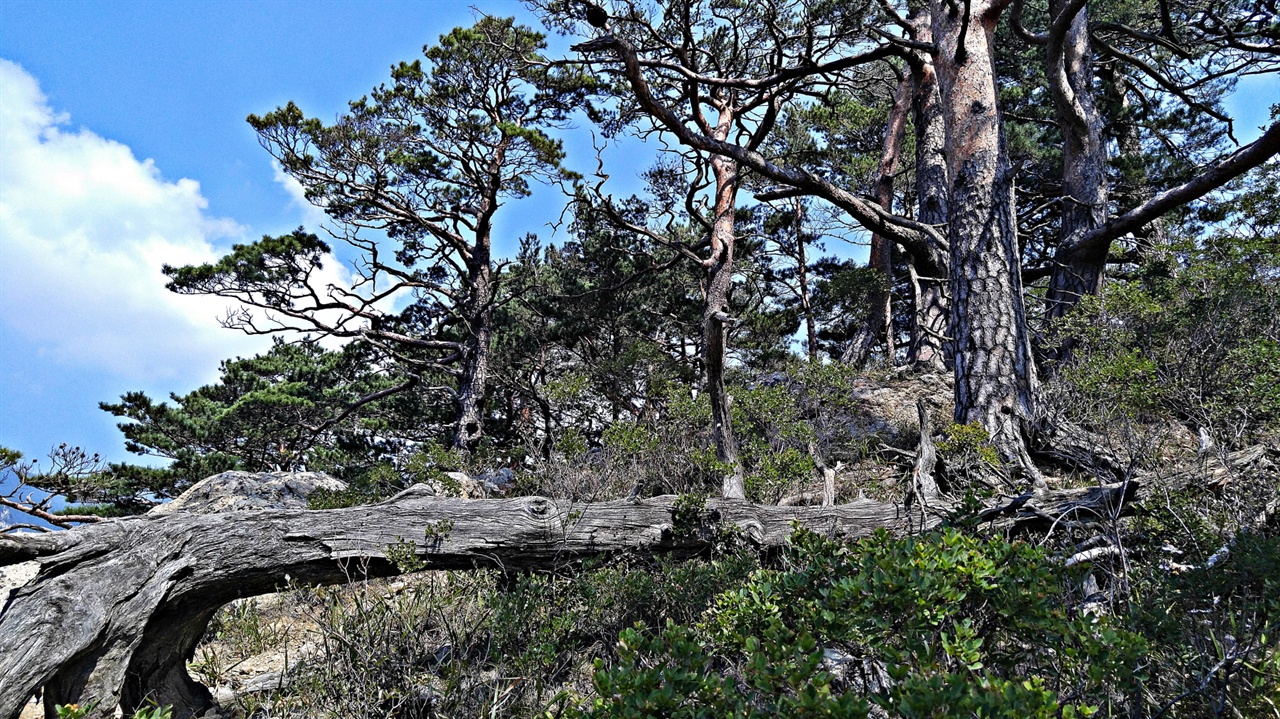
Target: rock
864,674
232,491
14,577
460,484
486,484
498,481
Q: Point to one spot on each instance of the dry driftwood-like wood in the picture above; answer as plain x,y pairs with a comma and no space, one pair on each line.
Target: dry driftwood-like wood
117,607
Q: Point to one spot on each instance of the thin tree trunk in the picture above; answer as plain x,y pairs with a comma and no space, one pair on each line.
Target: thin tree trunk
1135,186
995,376
715,317
475,369
802,279
879,325
929,346
118,607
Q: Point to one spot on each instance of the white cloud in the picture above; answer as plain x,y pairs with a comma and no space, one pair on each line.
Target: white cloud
84,229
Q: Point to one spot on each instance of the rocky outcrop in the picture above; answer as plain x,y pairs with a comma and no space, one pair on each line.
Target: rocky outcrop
235,491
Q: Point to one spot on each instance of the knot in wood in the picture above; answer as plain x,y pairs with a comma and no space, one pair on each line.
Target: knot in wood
539,507
753,530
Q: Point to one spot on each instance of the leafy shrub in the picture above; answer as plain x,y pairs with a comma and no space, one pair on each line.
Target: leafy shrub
937,625
967,448
1208,599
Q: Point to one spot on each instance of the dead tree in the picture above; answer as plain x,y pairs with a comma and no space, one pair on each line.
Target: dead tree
118,607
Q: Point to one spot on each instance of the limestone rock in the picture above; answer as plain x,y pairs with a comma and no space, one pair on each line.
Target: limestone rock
461,484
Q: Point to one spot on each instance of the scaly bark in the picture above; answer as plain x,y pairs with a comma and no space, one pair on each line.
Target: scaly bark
1069,63
1080,261
995,376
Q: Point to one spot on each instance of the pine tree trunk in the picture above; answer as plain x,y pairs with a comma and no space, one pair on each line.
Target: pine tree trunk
929,346
478,322
1084,158
879,325
994,373
715,316
802,279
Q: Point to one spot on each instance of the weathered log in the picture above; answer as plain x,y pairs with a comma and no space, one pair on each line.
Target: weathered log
118,607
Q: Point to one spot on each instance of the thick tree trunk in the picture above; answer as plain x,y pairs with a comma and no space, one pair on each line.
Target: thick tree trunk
879,326
715,317
995,376
118,607
1069,64
930,348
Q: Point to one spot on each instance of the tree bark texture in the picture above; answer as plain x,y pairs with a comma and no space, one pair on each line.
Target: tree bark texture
715,317
1069,63
995,376
118,607
475,367
930,347
1078,267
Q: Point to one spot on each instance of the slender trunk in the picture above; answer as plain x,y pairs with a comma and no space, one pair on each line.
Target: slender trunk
929,345
994,373
1084,158
879,325
715,315
475,369
802,279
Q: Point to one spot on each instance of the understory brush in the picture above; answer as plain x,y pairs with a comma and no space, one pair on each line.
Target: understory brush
1183,621
482,643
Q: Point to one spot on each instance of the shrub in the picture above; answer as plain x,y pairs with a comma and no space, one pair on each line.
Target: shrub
930,626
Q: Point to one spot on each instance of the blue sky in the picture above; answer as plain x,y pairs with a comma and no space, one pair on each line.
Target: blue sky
123,146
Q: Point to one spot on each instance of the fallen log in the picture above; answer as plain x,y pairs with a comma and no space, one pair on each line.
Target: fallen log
117,607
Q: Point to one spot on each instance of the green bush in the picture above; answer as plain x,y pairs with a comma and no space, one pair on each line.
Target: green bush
932,626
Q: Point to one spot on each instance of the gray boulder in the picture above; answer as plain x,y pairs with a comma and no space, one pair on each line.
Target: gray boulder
233,491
